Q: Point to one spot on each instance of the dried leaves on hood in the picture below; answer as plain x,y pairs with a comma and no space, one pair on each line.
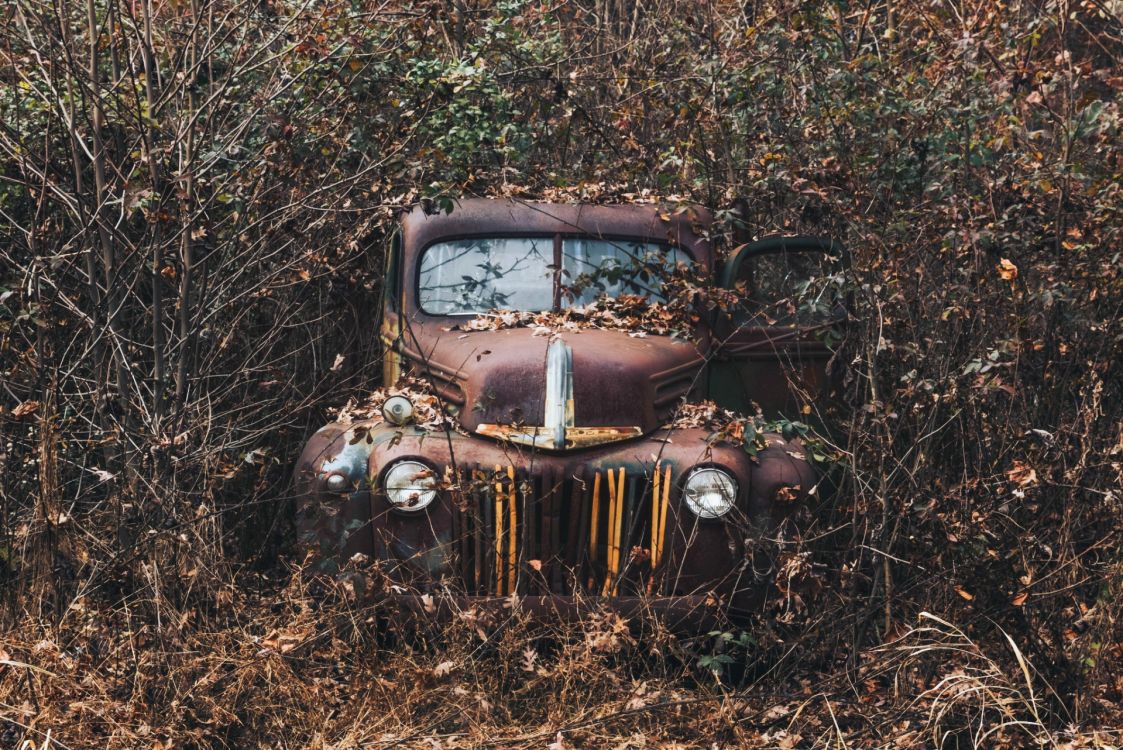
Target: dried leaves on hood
724,425
427,411
633,313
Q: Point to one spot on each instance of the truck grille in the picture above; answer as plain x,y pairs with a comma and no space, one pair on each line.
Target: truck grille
594,531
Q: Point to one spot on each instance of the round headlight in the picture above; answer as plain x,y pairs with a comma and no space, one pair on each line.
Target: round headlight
410,485
337,482
709,492
397,410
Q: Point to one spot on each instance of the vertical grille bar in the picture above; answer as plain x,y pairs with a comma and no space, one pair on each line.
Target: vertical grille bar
664,501
594,529
459,541
616,523
512,536
478,532
557,492
630,518
487,508
610,531
542,528
654,521
574,531
500,522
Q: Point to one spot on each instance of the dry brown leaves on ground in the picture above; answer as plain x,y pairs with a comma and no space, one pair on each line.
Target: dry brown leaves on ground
282,669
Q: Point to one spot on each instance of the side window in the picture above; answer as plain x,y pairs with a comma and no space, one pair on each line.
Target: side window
789,288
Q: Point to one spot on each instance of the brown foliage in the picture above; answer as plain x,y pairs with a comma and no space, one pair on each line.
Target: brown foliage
193,201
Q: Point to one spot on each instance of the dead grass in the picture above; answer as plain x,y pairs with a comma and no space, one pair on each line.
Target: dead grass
274,667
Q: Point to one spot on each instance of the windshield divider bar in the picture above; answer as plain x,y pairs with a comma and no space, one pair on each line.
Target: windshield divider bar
557,272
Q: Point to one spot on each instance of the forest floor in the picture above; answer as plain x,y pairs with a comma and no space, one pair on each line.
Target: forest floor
273,667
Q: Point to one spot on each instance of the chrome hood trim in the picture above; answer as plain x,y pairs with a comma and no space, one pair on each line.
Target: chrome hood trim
559,432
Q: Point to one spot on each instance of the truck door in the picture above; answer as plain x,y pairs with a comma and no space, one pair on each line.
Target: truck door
772,350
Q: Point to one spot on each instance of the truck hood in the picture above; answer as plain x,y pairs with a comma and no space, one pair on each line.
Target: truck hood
564,391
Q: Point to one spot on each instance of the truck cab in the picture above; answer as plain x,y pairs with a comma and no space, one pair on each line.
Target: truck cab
569,469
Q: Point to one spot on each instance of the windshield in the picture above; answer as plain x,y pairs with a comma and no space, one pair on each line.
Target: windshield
472,276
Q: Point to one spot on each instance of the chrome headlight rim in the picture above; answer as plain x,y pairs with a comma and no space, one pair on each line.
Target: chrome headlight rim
427,492
338,482
691,496
397,410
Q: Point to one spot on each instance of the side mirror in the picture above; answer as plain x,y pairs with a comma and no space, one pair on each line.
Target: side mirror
772,245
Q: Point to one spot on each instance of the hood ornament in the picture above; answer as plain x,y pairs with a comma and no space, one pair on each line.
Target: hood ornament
558,432
559,392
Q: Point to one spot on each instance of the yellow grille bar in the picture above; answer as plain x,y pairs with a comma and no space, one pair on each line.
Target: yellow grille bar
610,540
616,527
619,526
661,535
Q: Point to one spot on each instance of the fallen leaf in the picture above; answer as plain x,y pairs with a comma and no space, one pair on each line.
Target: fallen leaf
965,594
1007,270
1022,474
27,407
444,668
787,494
1019,599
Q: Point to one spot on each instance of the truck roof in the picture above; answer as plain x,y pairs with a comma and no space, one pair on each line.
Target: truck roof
685,226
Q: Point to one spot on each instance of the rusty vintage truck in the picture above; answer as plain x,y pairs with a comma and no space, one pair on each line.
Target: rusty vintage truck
564,479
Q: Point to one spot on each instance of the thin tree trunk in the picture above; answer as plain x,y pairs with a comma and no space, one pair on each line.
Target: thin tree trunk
158,365
108,260
187,250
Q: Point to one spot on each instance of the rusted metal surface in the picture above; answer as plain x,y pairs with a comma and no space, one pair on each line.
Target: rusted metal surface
498,218
499,377
562,487
512,520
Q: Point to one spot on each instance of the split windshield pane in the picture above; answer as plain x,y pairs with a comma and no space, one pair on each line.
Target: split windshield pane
592,267
473,276
468,277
